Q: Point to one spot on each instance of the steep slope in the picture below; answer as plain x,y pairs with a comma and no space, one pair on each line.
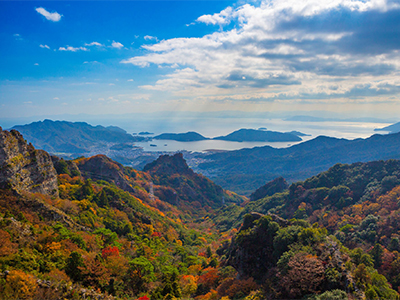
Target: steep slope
297,261
277,185
189,189
100,167
168,179
333,190
24,168
358,205
95,241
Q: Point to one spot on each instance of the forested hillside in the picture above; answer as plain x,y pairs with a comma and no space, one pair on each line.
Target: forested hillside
110,232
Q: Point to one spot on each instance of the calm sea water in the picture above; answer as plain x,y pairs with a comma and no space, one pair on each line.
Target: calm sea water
215,127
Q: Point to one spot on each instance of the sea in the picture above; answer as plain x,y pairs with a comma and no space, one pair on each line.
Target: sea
213,126
217,127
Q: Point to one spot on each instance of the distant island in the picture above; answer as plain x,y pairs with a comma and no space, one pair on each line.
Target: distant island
190,136
145,133
73,137
394,128
254,135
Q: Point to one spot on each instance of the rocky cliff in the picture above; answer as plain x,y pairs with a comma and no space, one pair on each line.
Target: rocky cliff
100,167
24,168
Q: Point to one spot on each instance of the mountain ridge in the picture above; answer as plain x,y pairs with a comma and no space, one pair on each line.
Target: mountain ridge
72,137
261,164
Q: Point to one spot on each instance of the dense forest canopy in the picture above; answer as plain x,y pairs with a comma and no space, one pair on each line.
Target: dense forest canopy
105,231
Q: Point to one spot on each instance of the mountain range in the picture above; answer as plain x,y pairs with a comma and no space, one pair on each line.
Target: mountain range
90,228
72,137
245,170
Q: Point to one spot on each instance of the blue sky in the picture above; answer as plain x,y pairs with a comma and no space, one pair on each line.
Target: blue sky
107,57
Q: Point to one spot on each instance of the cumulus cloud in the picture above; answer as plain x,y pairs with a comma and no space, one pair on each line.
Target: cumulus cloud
44,46
54,16
72,49
224,17
117,45
296,48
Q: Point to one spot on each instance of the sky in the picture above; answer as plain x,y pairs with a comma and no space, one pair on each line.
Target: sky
301,57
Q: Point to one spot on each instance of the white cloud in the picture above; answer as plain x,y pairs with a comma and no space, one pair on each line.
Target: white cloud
116,45
54,16
56,98
224,17
17,36
280,47
35,64
130,80
150,38
72,49
44,46
94,44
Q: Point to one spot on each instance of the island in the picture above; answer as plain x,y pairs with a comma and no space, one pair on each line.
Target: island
394,128
190,136
254,135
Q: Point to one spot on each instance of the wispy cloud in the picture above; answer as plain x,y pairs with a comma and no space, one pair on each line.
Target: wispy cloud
72,49
54,16
150,38
44,46
17,36
94,44
117,45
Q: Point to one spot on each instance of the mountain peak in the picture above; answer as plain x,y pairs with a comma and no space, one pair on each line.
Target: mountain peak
24,168
168,165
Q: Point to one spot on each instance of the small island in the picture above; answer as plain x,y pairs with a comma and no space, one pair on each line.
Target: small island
190,136
254,135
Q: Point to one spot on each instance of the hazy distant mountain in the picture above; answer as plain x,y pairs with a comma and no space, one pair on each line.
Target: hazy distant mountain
181,137
391,128
72,137
254,135
298,133
334,119
245,170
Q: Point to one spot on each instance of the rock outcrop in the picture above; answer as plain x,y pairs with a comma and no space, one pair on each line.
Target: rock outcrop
100,167
23,168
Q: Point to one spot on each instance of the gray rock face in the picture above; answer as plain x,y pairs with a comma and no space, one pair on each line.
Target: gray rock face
24,168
